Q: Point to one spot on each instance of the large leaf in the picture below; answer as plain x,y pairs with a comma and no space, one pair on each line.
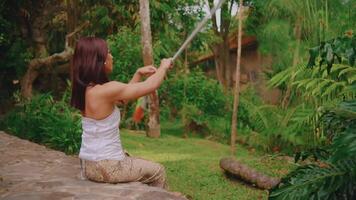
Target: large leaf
313,54
324,181
341,48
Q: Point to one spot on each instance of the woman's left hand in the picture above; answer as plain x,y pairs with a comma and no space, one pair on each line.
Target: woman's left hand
147,70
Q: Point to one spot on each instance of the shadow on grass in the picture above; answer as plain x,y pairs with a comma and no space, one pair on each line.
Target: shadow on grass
233,179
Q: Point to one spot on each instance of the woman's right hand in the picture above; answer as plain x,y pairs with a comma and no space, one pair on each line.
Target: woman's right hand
167,63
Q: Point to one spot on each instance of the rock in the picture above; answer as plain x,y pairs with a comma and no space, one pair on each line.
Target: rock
31,171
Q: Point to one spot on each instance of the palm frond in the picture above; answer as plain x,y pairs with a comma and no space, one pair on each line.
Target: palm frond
327,181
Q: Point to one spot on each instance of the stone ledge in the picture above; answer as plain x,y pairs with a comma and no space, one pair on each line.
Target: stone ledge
31,171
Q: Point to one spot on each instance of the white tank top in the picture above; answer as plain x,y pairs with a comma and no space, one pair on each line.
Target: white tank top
101,138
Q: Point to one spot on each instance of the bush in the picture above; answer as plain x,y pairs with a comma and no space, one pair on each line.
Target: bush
202,105
197,100
194,120
125,48
194,89
46,121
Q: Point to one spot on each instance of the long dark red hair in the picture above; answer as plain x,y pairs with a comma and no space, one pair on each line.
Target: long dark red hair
87,68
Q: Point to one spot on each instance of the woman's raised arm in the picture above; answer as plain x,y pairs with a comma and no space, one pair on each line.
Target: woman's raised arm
116,91
145,71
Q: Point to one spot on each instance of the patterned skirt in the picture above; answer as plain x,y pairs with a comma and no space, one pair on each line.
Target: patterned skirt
130,169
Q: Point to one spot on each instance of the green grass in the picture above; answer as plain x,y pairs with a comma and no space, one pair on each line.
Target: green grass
192,165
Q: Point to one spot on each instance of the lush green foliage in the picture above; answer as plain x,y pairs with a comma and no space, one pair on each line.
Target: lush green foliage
331,90
336,181
335,176
275,22
47,121
317,85
196,99
276,129
319,88
340,127
196,89
201,104
334,50
125,48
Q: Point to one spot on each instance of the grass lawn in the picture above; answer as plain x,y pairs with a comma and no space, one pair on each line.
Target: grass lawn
192,165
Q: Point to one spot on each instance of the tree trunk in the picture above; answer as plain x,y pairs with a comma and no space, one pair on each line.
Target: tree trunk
26,82
222,57
298,32
219,67
36,63
39,41
72,18
222,50
248,174
154,129
226,61
237,84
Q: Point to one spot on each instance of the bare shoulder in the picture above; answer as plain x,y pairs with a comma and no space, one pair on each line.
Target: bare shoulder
110,87
111,84
108,90
116,91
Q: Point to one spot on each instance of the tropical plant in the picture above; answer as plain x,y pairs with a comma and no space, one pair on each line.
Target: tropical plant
332,82
335,176
331,90
290,26
281,130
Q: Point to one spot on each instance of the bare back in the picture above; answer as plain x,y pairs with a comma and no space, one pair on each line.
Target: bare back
97,107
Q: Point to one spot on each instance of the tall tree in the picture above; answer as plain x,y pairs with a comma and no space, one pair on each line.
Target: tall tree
73,16
154,129
288,25
237,82
221,48
36,24
297,16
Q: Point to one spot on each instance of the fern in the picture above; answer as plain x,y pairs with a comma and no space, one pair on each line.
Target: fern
282,127
317,85
347,70
257,114
280,78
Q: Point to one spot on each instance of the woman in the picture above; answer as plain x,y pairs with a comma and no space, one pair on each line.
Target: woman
95,96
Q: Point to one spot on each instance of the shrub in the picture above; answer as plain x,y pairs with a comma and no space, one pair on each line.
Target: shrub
195,89
46,121
202,105
125,48
194,120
